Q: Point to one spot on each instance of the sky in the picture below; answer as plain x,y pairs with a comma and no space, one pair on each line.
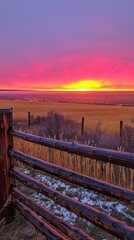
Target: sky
67,44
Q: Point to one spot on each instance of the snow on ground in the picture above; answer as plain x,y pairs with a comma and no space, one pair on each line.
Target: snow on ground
81,194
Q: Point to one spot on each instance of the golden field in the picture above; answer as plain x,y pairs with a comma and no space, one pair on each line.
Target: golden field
108,115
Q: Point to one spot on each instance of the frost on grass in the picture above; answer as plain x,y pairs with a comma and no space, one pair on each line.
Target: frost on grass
27,171
83,195
105,204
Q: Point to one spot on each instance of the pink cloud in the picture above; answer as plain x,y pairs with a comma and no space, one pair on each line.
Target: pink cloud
55,72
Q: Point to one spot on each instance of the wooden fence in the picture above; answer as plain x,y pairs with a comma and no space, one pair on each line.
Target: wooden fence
54,227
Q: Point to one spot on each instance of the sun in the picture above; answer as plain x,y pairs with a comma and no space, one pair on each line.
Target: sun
83,85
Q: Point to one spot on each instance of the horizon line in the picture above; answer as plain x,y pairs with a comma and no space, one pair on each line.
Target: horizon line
70,90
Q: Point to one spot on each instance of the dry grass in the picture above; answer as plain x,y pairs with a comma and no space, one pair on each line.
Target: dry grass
111,173
109,116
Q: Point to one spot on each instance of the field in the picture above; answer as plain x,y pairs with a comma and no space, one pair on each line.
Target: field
108,115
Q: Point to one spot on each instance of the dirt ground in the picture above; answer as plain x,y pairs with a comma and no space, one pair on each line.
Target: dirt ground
19,229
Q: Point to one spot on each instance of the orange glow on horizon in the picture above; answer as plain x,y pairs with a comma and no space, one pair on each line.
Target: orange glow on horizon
70,90
84,90
84,85
79,86
87,86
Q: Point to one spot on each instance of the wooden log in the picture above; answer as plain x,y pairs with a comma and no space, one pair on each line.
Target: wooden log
99,186
57,126
29,119
43,227
82,126
116,157
71,231
6,140
111,225
121,132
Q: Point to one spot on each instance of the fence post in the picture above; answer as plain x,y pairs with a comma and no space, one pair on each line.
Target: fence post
29,119
82,126
121,132
6,140
57,126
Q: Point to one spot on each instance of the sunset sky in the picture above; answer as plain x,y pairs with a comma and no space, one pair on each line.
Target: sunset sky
67,44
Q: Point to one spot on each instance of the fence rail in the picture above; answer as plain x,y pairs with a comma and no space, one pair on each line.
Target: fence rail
90,183
30,209
114,157
59,223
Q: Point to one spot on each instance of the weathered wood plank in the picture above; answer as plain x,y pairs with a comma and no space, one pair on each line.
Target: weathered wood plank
99,186
6,140
43,227
98,218
119,158
71,231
